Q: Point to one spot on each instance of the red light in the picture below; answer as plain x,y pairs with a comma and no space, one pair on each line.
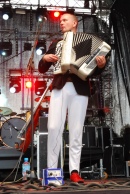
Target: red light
28,84
56,14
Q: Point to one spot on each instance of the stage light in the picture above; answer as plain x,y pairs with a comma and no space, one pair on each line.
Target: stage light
56,14
7,12
40,86
28,84
5,48
41,47
14,85
27,46
41,14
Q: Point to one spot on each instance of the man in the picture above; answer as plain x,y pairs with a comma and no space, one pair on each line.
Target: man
69,95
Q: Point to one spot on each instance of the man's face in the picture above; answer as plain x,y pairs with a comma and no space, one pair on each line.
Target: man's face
68,23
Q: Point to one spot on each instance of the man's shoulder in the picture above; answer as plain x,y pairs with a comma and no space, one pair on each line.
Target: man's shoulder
54,43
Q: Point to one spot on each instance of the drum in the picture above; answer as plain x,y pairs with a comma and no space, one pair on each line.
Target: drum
10,130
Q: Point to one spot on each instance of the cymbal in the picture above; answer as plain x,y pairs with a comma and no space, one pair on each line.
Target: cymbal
5,111
2,121
21,115
46,99
13,114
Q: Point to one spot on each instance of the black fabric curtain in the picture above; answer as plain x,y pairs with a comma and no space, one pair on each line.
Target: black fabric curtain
120,20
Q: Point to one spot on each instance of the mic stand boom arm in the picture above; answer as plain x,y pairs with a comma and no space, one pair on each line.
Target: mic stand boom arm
30,65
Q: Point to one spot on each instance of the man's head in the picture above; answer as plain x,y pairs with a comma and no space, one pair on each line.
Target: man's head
68,22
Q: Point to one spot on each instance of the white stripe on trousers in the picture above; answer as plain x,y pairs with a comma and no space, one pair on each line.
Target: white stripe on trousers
61,101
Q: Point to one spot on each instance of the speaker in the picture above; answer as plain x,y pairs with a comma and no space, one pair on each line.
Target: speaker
113,160
42,147
126,137
103,139
43,124
89,136
41,154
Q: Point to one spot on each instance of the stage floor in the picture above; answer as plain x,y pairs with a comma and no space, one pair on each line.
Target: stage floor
117,185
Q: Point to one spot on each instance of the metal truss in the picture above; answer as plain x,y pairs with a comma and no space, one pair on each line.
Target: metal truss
100,107
84,6
96,7
107,96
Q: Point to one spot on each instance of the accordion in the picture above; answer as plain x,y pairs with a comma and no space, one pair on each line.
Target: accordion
78,53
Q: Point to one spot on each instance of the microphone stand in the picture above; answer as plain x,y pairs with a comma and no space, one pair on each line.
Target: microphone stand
30,68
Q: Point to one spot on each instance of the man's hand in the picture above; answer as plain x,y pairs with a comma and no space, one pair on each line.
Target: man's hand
50,58
101,61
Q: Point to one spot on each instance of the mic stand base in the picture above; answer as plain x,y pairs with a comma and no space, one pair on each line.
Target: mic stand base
33,176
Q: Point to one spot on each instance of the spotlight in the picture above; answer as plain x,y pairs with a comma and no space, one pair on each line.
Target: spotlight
41,14
55,15
7,12
41,47
28,84
40,86
5,48
14,85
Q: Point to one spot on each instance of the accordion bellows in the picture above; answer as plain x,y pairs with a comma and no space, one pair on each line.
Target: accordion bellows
78,53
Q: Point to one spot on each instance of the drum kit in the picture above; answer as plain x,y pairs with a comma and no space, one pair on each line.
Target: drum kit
10,127
11,124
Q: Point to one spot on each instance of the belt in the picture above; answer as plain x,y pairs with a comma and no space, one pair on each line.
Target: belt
69,79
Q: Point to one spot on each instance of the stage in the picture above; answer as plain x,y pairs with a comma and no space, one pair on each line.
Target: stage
115,160
110,185
117,181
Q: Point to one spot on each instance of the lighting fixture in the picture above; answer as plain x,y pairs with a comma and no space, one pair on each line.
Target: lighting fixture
14,85
5,48
41,47
27,46
40,86
41,14
7,12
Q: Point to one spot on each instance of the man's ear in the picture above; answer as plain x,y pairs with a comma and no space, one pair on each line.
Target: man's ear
75,24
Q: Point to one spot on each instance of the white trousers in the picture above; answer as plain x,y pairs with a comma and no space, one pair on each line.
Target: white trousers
62,101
